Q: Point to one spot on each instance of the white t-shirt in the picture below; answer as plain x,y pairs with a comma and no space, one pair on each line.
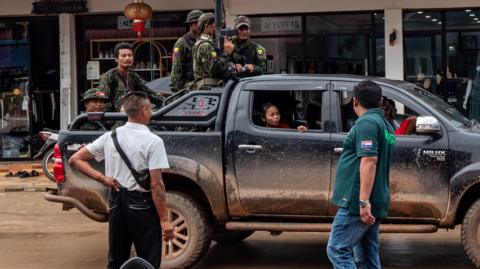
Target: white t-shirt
143,148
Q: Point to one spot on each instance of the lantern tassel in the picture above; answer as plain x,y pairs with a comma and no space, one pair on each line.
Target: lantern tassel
139,27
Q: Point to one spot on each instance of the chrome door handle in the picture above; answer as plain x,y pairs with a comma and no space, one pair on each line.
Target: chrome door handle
250,148
338,150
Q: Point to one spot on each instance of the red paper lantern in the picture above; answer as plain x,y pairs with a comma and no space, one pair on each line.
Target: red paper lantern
139,12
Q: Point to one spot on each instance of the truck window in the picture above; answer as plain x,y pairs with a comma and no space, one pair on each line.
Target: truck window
400,116
295,108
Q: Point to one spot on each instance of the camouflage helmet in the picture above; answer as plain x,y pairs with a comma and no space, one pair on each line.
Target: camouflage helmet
193,16
204,20
94,93
241,21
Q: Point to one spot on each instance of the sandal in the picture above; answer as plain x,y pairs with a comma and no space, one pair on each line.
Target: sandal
10,175
34,173
23,174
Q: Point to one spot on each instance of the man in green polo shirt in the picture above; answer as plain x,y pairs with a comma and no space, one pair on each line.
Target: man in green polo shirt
362,190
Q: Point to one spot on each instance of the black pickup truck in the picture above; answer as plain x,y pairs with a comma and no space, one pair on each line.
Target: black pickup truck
231,176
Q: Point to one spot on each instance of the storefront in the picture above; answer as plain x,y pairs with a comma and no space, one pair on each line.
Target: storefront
97,35
442,54
328,43
29,83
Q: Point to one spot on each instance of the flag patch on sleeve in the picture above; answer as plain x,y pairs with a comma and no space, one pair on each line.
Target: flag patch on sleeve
366,145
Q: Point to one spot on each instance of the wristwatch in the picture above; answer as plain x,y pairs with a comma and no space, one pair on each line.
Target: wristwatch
364,203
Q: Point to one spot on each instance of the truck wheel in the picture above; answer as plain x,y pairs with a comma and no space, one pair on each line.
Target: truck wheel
193,232
471,233
223,236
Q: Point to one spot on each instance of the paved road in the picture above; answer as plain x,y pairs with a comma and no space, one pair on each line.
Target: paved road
37,234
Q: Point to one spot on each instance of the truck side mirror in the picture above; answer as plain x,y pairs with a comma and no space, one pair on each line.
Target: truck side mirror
428,125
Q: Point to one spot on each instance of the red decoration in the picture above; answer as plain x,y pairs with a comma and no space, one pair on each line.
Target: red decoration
139,12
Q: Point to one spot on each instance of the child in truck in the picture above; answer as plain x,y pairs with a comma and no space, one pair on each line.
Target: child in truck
271,117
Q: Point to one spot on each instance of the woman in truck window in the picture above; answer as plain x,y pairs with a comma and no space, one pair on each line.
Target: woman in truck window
271,118
390,112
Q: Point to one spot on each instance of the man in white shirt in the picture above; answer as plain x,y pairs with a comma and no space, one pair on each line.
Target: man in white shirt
135,214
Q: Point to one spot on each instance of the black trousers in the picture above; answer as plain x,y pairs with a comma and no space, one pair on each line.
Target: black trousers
133,219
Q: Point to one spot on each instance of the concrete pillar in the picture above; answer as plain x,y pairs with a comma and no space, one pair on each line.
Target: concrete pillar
68,70
394,59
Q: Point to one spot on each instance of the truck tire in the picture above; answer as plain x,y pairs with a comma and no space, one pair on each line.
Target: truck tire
193,232
471,233
223,236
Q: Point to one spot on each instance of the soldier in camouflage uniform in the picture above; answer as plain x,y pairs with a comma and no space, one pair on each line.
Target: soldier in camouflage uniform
182,68
118,81
94,100
249,57
210,67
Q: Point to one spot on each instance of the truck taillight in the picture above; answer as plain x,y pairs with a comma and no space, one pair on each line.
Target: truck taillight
58,169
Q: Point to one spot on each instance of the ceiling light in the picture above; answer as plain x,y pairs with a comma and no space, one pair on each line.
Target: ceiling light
478,21
439,22
419,12
428,17
434,19
468,10
475,19
472,15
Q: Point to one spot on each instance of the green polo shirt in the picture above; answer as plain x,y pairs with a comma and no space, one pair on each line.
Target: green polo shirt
371,135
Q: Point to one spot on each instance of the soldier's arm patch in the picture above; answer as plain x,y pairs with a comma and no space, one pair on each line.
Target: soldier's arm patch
214,54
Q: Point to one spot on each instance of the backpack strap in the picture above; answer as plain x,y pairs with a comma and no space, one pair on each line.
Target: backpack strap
122,154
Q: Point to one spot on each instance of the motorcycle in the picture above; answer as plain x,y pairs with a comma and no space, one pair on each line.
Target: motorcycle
50,137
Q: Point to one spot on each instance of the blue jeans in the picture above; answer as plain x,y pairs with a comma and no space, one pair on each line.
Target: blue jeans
353,243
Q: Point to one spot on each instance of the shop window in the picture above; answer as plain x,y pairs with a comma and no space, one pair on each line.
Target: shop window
283,54
463,73
423,61
339,23
422,21
345,44
468,19
14,117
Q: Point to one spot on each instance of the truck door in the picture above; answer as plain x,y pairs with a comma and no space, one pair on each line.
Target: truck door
418,175
282,171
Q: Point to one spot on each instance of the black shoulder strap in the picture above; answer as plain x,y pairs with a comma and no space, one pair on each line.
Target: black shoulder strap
122,154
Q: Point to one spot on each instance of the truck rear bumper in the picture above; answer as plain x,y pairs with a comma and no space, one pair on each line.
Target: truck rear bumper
52,195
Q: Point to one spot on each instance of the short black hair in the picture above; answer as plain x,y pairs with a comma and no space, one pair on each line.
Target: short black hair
265,107
133,102
368,94
121,46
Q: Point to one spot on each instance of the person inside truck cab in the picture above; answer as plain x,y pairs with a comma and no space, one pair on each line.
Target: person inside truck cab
272,119
313,117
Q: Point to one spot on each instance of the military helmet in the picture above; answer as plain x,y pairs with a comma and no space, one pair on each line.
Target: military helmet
204,20
94,93
193,16
241,21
